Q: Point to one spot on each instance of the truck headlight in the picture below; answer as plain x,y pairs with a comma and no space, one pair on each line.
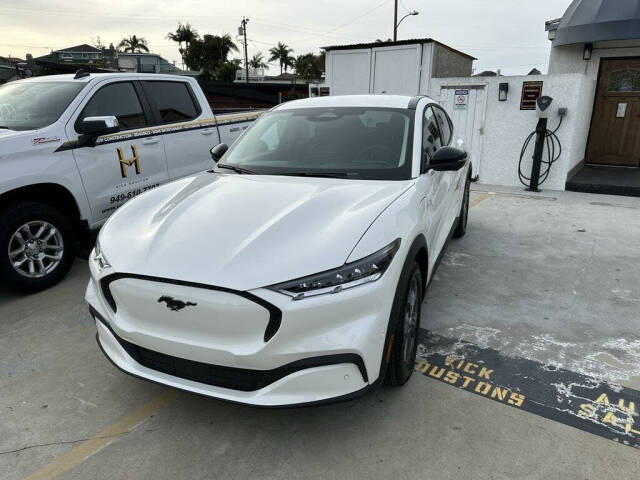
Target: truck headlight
369,269
99,258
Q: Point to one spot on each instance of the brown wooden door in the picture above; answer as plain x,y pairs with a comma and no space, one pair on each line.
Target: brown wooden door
614,138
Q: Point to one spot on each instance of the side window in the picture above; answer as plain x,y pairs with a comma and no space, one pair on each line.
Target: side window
173,100
445,126
119,100
431,140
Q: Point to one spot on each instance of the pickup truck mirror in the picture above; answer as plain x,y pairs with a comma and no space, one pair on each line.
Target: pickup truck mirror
218,151
99,125
448,159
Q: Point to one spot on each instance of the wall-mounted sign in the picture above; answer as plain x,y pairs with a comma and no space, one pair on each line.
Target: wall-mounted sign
530,93
461,98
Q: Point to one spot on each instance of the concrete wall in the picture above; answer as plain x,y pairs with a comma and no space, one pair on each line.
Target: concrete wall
506,126
447,63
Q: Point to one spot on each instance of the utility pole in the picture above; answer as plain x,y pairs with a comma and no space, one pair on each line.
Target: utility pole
246,56
395,21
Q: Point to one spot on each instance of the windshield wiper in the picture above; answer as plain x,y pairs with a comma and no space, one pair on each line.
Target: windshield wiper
236,169
321,174
2,126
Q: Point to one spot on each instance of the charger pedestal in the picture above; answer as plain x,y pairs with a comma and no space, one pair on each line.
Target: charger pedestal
541,133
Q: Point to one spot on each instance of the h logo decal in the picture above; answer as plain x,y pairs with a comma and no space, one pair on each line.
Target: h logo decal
128,162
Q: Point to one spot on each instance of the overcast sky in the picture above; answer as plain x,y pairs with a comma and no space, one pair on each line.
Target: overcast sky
505,34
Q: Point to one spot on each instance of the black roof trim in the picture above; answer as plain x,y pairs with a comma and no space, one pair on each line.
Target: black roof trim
413,103
412,41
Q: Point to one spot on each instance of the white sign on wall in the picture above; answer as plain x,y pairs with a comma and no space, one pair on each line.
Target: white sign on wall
461,98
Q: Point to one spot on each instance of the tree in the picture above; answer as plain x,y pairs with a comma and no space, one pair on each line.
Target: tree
309,66
257,61
282,54
184,33
209,52
226,71
133,44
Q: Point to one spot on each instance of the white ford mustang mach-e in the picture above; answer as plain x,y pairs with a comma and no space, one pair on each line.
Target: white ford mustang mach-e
295,270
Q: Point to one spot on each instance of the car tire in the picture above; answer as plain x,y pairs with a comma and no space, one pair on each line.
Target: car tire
37,246
461,227
403,343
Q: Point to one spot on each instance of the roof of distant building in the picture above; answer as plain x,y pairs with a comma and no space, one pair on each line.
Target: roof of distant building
486,73
392,43
84,48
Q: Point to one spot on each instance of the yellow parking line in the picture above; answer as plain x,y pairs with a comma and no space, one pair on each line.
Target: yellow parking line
481,197
103,438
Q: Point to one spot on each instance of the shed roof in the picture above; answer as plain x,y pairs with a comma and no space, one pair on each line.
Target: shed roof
355,46
587,21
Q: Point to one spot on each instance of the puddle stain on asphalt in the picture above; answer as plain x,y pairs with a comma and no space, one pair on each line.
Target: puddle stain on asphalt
574,399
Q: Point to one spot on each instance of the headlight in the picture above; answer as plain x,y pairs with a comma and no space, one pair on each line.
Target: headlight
99,258
366,270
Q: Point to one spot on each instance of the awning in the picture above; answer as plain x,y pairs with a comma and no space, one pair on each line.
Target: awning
588,21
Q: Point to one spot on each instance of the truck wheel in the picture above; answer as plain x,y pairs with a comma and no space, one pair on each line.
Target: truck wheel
37,246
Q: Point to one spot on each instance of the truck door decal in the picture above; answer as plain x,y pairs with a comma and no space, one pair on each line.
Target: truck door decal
128,162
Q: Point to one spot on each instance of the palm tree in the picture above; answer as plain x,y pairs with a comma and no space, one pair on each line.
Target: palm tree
282,54
226,45
184,33
257,61
133,44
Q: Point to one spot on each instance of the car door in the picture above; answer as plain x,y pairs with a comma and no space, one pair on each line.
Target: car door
453,180
189,133
122,165
431,186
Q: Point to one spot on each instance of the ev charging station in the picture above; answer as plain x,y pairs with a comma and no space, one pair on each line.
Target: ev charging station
544,137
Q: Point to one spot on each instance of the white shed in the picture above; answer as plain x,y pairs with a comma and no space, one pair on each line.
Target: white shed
404,67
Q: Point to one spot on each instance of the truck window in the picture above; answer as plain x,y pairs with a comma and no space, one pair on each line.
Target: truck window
33,105
173,100
119,100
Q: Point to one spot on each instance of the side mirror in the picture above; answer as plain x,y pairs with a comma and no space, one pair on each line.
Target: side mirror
99,125
448,159
218,151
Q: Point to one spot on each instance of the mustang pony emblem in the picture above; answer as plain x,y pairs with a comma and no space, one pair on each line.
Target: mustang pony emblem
175,305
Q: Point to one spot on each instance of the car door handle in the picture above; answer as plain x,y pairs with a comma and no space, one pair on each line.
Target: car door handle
150,140
207,131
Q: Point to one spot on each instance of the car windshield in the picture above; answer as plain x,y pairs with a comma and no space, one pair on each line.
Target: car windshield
363,143
33,105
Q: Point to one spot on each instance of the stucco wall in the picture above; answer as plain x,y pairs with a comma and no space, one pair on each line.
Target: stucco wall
506,126
568,58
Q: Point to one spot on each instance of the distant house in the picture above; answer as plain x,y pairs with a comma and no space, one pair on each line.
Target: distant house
71,59
145,63
8,68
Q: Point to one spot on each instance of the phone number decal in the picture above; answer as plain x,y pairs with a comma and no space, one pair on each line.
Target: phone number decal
121,197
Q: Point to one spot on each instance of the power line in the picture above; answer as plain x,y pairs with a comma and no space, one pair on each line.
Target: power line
345,24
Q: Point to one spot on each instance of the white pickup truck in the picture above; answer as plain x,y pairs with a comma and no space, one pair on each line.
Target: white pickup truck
74,148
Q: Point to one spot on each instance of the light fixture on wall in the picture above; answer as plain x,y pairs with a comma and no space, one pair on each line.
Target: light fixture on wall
503,92
588,49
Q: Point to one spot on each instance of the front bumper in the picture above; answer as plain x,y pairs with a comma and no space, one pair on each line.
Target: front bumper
325,348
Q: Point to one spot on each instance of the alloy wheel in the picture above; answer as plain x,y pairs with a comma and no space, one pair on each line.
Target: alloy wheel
410,322
36,249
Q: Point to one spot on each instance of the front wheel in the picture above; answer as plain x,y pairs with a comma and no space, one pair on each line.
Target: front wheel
37,246
407,324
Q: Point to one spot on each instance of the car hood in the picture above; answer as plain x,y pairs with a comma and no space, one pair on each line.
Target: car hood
244,231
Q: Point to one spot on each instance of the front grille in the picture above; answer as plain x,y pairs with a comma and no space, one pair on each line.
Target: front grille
242,379
225,377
